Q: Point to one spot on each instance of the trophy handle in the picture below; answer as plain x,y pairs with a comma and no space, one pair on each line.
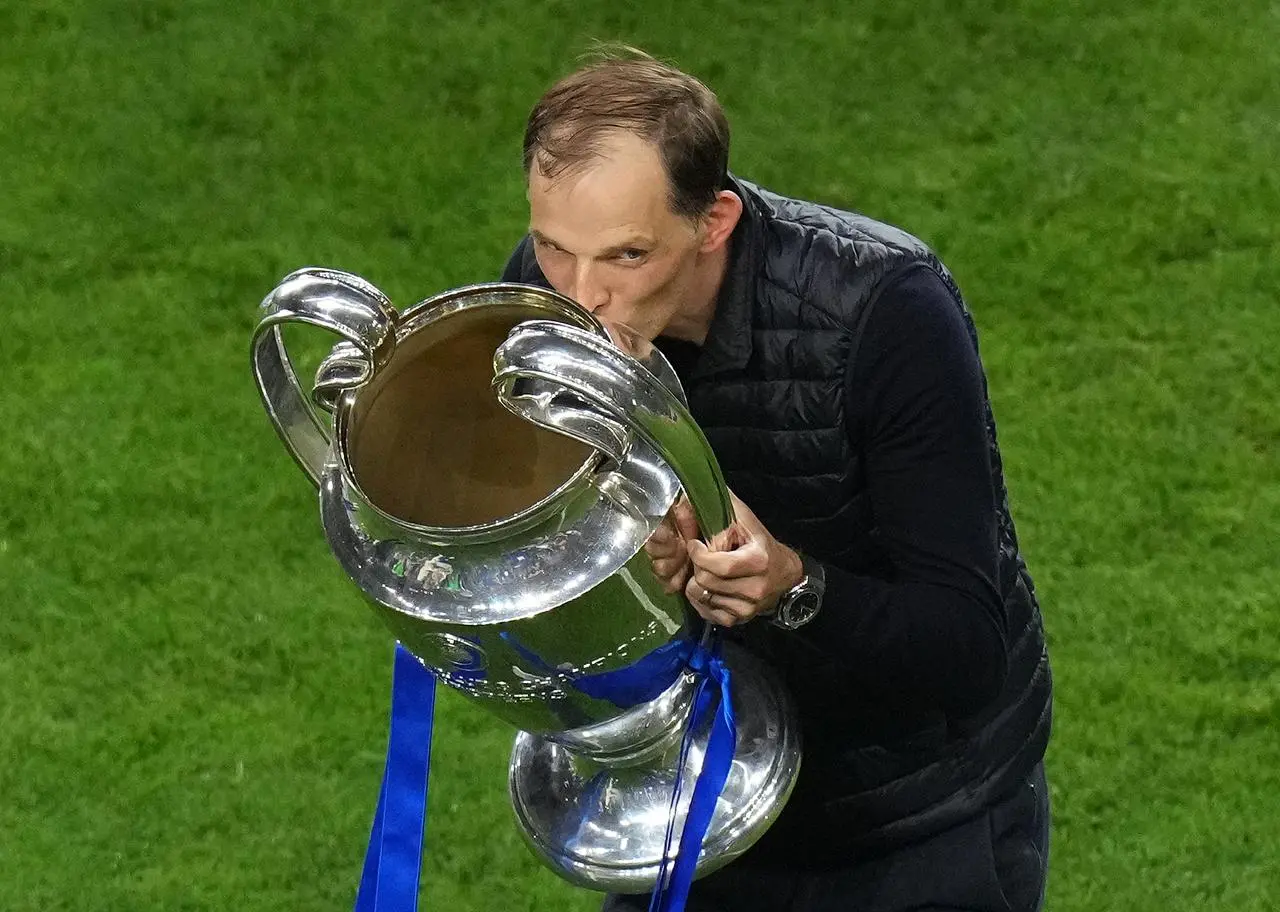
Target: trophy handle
344,304
576,383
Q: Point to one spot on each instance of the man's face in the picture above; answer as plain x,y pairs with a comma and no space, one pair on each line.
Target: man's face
606,237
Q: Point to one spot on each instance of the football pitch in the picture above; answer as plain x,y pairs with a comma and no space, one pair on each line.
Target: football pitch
193,698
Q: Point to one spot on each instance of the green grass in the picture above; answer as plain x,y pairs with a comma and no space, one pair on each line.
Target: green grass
192,697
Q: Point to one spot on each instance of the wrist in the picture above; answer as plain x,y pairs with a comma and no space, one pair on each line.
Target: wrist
799,604
794,569
791,576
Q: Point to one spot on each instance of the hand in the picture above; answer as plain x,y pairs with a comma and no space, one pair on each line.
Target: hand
667,546
742,572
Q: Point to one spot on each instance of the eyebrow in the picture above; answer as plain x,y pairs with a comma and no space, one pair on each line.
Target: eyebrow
637,242
539,236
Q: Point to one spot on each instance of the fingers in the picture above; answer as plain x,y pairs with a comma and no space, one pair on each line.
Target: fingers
686,524
730,579
685,521
741,575
747,559
720,618
673,580
731,569
670,566
669,557
729,539
719,608
665,540
749,591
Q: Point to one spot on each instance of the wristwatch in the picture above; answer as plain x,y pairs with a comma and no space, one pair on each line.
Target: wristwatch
799,604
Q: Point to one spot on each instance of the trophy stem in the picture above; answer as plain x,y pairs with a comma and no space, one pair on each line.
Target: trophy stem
640,735
600,817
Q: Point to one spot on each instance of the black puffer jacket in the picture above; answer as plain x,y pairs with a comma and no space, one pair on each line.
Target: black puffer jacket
770,388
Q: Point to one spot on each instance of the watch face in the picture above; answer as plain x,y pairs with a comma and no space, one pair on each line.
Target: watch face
801,608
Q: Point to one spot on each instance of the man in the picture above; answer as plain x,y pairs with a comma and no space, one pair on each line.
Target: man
835,372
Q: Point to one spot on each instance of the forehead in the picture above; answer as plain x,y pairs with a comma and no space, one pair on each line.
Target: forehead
623,190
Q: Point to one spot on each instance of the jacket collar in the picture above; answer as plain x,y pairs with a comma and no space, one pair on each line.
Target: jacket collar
728,343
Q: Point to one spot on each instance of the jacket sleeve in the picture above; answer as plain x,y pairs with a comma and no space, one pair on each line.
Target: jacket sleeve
934,630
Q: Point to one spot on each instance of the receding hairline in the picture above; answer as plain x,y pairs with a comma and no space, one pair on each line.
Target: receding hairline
600,144
633,93
601,139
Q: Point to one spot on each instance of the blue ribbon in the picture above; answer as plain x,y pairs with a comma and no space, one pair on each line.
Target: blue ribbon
641,681
393,862
675,877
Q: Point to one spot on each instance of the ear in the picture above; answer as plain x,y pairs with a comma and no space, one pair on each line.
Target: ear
720,221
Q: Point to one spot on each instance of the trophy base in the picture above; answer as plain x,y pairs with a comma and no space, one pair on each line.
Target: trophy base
604,827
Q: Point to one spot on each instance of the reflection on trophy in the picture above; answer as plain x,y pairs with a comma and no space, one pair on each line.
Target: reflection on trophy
490,465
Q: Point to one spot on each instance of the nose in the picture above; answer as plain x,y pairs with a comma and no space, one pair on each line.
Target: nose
588,289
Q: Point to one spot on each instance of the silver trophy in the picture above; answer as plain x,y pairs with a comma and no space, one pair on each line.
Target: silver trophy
491,463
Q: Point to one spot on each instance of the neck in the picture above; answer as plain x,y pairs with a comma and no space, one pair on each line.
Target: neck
694,320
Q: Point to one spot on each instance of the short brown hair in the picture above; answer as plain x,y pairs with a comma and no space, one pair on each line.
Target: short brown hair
626,89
